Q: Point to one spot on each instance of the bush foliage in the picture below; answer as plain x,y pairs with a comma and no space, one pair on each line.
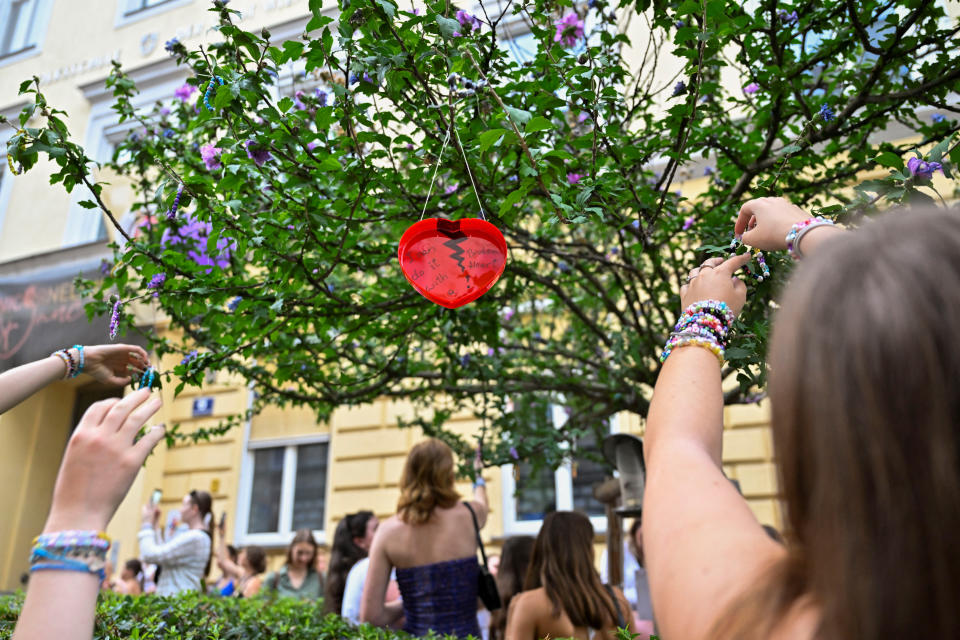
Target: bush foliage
301,163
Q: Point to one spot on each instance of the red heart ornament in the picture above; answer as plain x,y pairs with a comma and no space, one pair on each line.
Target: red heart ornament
452,262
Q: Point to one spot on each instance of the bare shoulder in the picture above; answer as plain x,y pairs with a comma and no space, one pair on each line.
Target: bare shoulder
530,602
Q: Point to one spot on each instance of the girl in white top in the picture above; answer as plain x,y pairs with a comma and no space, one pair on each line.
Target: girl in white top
185,559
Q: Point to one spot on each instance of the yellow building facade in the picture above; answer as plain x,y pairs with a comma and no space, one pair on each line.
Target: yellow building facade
282,470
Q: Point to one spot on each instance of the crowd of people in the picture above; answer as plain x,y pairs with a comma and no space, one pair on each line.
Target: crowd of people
865,413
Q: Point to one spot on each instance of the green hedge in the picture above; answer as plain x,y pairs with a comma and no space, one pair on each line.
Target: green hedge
209,618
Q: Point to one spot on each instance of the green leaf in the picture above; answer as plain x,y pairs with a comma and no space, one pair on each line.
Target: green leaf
448,26
937,152
539,123
88,204
388,7
790,148
223,98
512,198
889,159
489,138
519,116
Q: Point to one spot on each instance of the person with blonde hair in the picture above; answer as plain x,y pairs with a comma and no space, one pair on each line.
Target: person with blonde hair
865,400
432,544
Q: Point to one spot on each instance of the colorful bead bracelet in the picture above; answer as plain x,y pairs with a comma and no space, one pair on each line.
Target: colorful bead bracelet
80,551
800,229
764,272
209,91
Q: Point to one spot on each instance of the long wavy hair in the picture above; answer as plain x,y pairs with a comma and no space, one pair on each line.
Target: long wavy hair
344,553
865,395
562,563
514,561
427,482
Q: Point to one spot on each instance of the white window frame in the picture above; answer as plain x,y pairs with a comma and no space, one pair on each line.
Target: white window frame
563,486
288,487
128,14
38,29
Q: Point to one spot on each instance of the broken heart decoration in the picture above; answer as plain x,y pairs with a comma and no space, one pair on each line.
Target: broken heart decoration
452,262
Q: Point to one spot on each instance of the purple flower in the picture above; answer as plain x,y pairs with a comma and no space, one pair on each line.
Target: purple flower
688,223
569,29
451,189
321,96
416,11
105,267
165,111
465,360
938,117
258,153
514,454
313,144
490,351
574,178
171,45
827,113
468,21
583,116
708,171
788,18
184,92
753,87
157,281
211,156
233,304
563,267
507,314
457,34
679,89
115,320
191,237
190,357
921,169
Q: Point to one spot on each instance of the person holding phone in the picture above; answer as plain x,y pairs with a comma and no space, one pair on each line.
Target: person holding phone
184,560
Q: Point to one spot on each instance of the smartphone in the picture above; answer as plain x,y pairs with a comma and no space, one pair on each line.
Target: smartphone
156,497
223,520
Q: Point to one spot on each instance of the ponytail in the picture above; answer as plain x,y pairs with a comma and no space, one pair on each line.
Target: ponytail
204,502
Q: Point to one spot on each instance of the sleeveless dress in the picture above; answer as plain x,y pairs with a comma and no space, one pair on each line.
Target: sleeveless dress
441,597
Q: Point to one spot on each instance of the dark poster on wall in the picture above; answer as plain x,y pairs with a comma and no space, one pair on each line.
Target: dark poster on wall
41,312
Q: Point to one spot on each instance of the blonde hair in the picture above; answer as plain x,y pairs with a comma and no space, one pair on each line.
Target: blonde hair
427,482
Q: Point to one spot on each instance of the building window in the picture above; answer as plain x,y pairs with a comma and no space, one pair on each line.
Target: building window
529,496
135,6
21,25
286,490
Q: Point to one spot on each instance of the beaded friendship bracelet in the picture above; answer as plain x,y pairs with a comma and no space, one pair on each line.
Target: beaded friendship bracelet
703,324
79,348
764,273
209,91
148,378
176,203
800,229
64,355
80,551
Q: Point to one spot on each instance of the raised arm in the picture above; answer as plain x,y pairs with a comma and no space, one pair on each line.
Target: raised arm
480,504
98,468
105,363
226,565
171,552
702,543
